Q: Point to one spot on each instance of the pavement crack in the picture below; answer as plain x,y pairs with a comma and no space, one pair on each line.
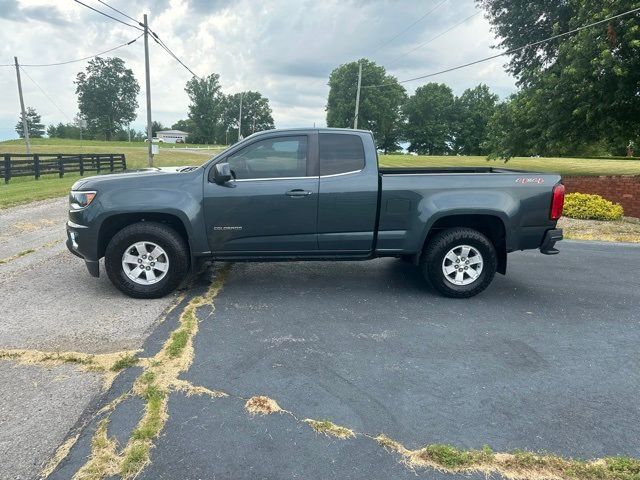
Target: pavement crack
108,364
17,255
158,378
189,389
28,251
61,453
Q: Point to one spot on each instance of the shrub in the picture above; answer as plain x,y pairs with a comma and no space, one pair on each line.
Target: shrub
591,207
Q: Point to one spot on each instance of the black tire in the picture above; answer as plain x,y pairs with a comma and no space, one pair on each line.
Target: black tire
433,256
162,235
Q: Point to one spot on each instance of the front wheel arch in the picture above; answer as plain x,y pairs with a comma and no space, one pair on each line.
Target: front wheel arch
114,223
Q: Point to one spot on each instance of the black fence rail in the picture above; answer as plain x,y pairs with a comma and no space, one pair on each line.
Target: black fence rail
38,164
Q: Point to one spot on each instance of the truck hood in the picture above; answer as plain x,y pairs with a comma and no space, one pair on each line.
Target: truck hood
95,181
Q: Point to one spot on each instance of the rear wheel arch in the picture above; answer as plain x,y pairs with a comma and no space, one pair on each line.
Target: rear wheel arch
489,224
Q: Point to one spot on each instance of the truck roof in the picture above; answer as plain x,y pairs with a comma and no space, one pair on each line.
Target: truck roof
306,130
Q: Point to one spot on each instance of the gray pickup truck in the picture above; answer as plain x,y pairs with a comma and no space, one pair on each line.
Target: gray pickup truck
310,194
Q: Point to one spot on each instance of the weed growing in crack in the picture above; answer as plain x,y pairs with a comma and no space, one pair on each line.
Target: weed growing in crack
103,459
453,458
136,458
180,337
330,429
124,362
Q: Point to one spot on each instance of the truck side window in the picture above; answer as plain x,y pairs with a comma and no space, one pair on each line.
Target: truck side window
340,153
271,158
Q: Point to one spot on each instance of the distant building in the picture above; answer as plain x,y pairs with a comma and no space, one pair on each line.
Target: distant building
172,136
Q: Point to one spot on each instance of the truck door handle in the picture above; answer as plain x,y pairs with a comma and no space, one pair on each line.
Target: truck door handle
298,192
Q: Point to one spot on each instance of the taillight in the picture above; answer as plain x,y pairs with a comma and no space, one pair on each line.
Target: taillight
557,202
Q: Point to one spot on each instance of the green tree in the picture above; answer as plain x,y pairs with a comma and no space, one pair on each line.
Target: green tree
521,22
582,90
184,125
256,115
205,109
64,130
430,113
107,96
34,124
155,127
473,110
511,130
381,100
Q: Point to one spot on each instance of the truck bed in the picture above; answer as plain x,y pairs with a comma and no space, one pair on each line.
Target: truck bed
444,170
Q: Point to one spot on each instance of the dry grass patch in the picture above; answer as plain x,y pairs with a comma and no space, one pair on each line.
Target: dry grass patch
625,230
262,405
103,460
108,364
189,389
330,429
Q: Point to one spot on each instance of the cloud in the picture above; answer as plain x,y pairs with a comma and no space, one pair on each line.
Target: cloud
284,49
14,11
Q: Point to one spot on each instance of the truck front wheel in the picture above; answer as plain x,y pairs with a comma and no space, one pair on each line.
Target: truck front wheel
147,260
459,262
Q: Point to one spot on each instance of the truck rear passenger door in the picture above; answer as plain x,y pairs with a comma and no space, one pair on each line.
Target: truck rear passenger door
347,207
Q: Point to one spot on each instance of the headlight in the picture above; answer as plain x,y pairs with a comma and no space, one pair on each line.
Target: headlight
79,200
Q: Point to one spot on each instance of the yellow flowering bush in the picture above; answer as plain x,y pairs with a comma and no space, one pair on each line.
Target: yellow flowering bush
591,207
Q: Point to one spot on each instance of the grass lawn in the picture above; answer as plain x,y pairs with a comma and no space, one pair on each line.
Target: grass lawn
563,166
24,190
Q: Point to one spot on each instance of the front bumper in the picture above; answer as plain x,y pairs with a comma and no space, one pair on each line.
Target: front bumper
75,235
549,241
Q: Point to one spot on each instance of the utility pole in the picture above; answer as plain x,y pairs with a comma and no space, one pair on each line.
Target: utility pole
148,81
355,122
240,118
25,126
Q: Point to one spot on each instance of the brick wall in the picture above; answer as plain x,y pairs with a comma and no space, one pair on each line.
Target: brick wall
624,190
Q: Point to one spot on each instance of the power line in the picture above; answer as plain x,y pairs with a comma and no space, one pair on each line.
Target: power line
44,93
409,27
120,12
395,61
80,59
508,52
159,41
107,15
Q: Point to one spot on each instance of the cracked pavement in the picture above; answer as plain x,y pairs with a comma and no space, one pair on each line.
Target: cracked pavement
545,359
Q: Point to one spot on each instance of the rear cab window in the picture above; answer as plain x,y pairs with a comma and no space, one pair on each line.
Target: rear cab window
340,153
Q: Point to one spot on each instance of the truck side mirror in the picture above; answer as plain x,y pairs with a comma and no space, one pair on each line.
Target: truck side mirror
222,173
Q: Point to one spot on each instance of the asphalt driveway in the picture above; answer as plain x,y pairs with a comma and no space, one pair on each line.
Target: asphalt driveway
49,303
545,359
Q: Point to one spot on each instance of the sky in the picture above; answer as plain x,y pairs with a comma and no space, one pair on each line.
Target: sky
285,49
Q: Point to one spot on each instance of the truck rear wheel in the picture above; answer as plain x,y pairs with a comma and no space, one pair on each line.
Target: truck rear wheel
147,260
459,262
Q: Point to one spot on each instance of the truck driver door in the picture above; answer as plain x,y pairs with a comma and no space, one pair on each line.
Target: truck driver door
271,206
